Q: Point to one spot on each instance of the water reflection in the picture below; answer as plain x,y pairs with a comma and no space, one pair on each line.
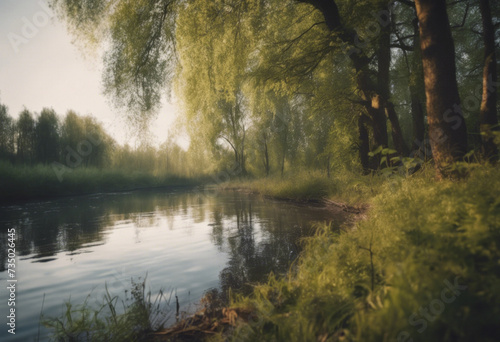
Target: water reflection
259,236
259,239
188,239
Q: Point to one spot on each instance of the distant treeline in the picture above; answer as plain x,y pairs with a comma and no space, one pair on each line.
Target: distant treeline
75,141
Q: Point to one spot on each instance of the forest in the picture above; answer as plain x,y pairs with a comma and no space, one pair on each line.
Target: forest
277,89
45,155
388,109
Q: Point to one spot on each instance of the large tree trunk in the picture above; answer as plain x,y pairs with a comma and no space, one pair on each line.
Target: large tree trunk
488,114
416,89
447,130
371,98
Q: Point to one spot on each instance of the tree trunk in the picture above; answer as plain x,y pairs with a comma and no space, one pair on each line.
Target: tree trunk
397,134
283,161
266,155
328,166
376,98
242,154
417,114
364,144
383,81
447,130
488,114
374,108
416,88
361,63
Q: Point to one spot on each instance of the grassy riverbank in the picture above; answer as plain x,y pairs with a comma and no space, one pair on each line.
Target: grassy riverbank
305,186
424,266
20,182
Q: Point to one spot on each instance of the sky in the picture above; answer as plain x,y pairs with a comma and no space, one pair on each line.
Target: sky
41,67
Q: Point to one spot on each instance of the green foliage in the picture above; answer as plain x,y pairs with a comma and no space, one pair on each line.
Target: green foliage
424,237
302,186
391,163
236,63
315,185
266,84
7,134
112,319
140,58
25,142
47,136
41,181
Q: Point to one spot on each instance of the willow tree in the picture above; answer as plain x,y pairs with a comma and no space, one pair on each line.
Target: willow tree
139,35
142,38
214,43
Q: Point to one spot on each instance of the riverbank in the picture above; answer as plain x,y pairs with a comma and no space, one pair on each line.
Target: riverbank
422,266
20,182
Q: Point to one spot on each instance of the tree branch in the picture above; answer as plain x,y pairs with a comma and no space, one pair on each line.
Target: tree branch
291,42
330,12
467,6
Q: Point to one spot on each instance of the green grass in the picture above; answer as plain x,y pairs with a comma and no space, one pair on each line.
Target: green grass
422,236
315,185
19,182
389,277
112,319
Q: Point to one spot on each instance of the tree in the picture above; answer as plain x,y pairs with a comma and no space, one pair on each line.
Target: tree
447,130
143,35
85,142
47,137
211,78
72,130
488,113
319,55
25,127
140,61
374,94
99,143
7,133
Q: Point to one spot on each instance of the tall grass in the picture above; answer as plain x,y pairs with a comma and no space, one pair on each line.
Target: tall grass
112,319
423,267
41,181
314,185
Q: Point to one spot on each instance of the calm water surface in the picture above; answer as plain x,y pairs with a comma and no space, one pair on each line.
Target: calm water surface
183,241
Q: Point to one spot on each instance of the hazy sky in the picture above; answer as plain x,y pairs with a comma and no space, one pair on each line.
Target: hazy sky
40,67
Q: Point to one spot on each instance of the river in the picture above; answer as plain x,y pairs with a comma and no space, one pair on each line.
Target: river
186,241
